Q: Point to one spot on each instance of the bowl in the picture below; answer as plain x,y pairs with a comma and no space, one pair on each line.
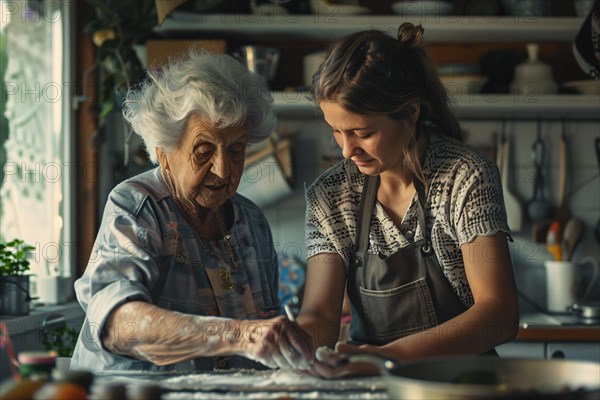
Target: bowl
463,84
458,69
322,7
488,378
421,8
588,86
583,7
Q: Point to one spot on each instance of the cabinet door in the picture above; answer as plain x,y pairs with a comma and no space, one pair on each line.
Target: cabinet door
521,350
588,351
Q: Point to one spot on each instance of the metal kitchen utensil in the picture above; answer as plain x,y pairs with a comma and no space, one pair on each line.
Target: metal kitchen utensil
571,236
488,378
261,60
511,203
586,310
538,208
597,229
554,241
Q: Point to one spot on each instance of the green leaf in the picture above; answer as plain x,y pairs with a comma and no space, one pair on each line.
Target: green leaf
107,107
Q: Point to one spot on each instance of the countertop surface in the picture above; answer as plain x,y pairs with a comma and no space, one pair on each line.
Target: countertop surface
538,325
245,384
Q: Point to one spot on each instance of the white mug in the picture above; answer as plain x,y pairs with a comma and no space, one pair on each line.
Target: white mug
562,289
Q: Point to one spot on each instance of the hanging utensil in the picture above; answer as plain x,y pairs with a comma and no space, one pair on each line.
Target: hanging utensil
514,213
538,208
554,241
597,230
563,214
571,236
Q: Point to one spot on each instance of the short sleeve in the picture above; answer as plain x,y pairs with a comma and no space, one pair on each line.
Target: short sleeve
479,208
317,241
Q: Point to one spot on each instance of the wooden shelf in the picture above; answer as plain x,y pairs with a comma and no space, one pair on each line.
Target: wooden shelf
331,26
476,106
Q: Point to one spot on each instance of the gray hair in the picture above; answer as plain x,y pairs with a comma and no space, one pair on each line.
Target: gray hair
217,87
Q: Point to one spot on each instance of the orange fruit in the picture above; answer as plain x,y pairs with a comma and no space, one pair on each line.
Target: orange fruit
61,391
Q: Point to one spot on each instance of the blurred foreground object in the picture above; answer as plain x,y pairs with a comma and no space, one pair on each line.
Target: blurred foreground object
587,46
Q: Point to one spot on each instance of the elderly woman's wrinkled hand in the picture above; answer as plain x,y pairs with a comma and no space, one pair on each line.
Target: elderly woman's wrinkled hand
279,343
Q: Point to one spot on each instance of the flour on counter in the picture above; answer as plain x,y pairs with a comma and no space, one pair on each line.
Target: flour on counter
255,384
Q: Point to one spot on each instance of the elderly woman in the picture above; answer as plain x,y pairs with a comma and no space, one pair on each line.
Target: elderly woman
184,274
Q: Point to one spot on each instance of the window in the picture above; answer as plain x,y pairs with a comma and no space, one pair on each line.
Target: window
36,140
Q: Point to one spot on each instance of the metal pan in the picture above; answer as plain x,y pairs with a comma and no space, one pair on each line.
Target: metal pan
489,378
586,310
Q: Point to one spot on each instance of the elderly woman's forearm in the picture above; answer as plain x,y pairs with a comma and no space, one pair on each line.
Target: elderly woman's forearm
147,332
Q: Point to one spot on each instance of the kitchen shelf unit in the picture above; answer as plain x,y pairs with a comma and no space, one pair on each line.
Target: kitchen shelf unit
329,26
477,106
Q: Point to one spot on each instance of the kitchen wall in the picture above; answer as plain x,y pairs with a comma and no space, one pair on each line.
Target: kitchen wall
313,140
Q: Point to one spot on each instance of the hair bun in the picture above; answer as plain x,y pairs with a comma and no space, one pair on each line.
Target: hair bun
410,34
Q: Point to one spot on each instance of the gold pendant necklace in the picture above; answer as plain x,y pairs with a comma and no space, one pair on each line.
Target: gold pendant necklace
224,273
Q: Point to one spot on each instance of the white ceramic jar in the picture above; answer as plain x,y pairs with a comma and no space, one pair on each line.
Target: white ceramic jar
533,76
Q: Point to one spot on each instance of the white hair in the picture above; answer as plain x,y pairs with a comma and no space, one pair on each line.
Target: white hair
217,87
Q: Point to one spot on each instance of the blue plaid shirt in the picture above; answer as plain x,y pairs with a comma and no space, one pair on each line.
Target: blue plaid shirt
146,250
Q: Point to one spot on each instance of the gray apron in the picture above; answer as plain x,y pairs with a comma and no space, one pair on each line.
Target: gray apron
395,296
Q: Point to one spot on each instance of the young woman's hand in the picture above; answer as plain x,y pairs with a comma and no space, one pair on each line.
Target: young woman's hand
332,364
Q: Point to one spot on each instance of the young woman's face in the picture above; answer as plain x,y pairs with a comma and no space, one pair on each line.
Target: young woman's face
208,164
374,142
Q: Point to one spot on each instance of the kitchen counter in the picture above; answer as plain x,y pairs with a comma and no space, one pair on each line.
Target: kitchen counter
537,325
544,327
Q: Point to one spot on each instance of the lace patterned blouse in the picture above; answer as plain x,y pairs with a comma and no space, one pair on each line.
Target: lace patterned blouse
464,201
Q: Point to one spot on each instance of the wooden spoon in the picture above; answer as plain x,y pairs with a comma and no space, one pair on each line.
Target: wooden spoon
563,214
572,235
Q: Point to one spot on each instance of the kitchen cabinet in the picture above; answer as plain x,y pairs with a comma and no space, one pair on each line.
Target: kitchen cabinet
536,350
546,336
574,350
287,31
586,351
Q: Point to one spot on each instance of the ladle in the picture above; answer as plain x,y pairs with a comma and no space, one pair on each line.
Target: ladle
572,235
538,207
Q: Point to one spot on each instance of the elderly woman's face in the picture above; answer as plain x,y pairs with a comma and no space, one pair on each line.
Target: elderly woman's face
208,165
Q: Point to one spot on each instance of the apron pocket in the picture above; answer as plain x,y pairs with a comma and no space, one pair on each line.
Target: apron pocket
400,311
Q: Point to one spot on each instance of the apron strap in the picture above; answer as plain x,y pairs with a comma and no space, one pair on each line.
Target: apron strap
367,202
363,224
427,248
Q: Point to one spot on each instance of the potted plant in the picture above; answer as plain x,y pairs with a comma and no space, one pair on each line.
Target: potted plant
14,283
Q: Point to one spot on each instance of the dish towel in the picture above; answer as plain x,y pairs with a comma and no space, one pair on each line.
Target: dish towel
587,43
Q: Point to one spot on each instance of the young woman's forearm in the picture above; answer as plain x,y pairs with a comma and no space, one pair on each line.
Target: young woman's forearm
482,327
324,332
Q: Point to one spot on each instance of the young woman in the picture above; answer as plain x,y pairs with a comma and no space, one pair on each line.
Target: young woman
412,223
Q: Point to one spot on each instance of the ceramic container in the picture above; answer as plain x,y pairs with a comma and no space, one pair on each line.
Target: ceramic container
533,77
